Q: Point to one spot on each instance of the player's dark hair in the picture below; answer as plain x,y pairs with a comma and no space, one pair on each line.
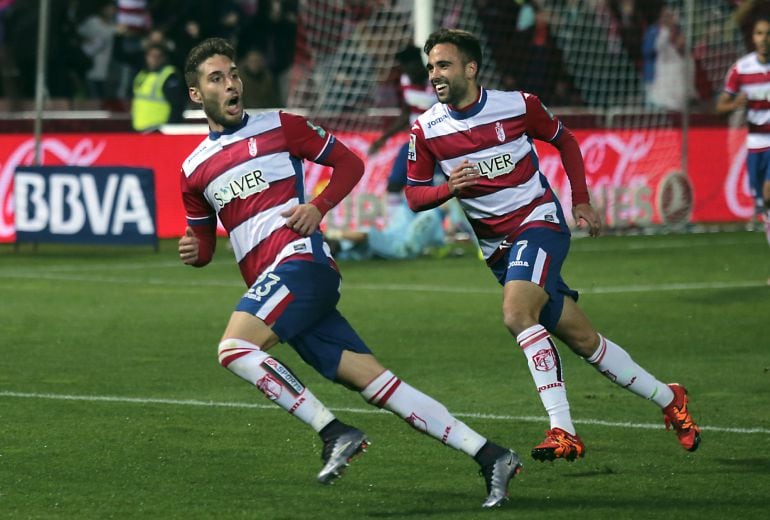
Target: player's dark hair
203,51
762,17
468,45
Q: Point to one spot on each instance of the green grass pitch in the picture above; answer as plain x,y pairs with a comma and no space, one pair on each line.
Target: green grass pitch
112,404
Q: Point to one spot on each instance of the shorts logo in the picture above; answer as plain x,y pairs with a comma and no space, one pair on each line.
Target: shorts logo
411,153
543,360
252,147
500,132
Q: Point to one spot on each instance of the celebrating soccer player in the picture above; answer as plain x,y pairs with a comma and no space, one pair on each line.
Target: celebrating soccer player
482,141
248,173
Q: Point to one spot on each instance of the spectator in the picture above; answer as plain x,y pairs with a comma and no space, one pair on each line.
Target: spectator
669,71
259,88
159,94
98,33
134,22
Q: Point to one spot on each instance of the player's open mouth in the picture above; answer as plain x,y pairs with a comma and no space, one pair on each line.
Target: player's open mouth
440,88
233,105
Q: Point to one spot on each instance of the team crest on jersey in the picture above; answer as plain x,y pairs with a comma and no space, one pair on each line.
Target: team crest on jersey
411,154
252,146
500,132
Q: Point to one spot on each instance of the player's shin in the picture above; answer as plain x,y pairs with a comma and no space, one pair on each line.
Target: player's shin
545,366
617,366
275,380
422,412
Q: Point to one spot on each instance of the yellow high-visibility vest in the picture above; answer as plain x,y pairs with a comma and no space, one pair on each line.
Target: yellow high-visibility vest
149,109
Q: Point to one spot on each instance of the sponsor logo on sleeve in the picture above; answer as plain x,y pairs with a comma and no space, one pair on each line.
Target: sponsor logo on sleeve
411,153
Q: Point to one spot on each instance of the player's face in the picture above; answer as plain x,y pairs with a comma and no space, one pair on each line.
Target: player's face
761,38
220,92
453,78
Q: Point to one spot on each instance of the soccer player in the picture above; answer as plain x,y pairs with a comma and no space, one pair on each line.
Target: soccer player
746,86
482,141
248,173
417,95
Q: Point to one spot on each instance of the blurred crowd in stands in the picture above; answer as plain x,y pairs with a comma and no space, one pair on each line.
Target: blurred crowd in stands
97,47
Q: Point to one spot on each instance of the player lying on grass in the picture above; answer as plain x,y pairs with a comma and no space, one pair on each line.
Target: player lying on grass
248,173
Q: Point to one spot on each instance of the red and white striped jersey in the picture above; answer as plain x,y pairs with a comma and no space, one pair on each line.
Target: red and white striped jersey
496,135
418,98
247,178
750,76
134,14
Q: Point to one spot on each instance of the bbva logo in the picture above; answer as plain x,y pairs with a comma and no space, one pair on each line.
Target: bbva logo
76,200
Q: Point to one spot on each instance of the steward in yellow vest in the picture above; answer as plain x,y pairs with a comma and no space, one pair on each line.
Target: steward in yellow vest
157,94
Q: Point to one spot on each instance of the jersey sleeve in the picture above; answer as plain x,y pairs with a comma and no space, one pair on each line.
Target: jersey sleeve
314,143
197,208
305,139
202,219
540,122
543,125
420,161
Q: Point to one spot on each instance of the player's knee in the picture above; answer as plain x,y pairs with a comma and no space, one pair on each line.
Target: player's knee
517,320
230,349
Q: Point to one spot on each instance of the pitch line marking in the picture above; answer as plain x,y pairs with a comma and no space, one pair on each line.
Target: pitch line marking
224,404
683,286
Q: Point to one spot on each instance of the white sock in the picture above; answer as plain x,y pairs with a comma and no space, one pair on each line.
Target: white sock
617,366
545,366
422,412
275,380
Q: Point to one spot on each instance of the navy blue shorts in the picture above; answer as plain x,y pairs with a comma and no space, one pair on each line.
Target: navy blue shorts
758,166
298,300
537,256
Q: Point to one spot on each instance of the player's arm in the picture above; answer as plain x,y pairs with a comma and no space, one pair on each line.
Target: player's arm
400,123
420,193
727,102
731,98
314,143
197,246
543,125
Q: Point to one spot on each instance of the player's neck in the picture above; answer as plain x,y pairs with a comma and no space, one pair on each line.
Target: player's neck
474,94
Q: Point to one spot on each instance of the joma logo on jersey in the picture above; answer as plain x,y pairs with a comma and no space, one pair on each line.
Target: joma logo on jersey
246,185
496,166
436,121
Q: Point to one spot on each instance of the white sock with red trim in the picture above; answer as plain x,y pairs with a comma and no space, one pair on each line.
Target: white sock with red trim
617,366
275,380
422,412
545,366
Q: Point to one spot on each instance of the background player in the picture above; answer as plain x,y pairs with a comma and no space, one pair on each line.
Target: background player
482,141
417,95
747,86
248,173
